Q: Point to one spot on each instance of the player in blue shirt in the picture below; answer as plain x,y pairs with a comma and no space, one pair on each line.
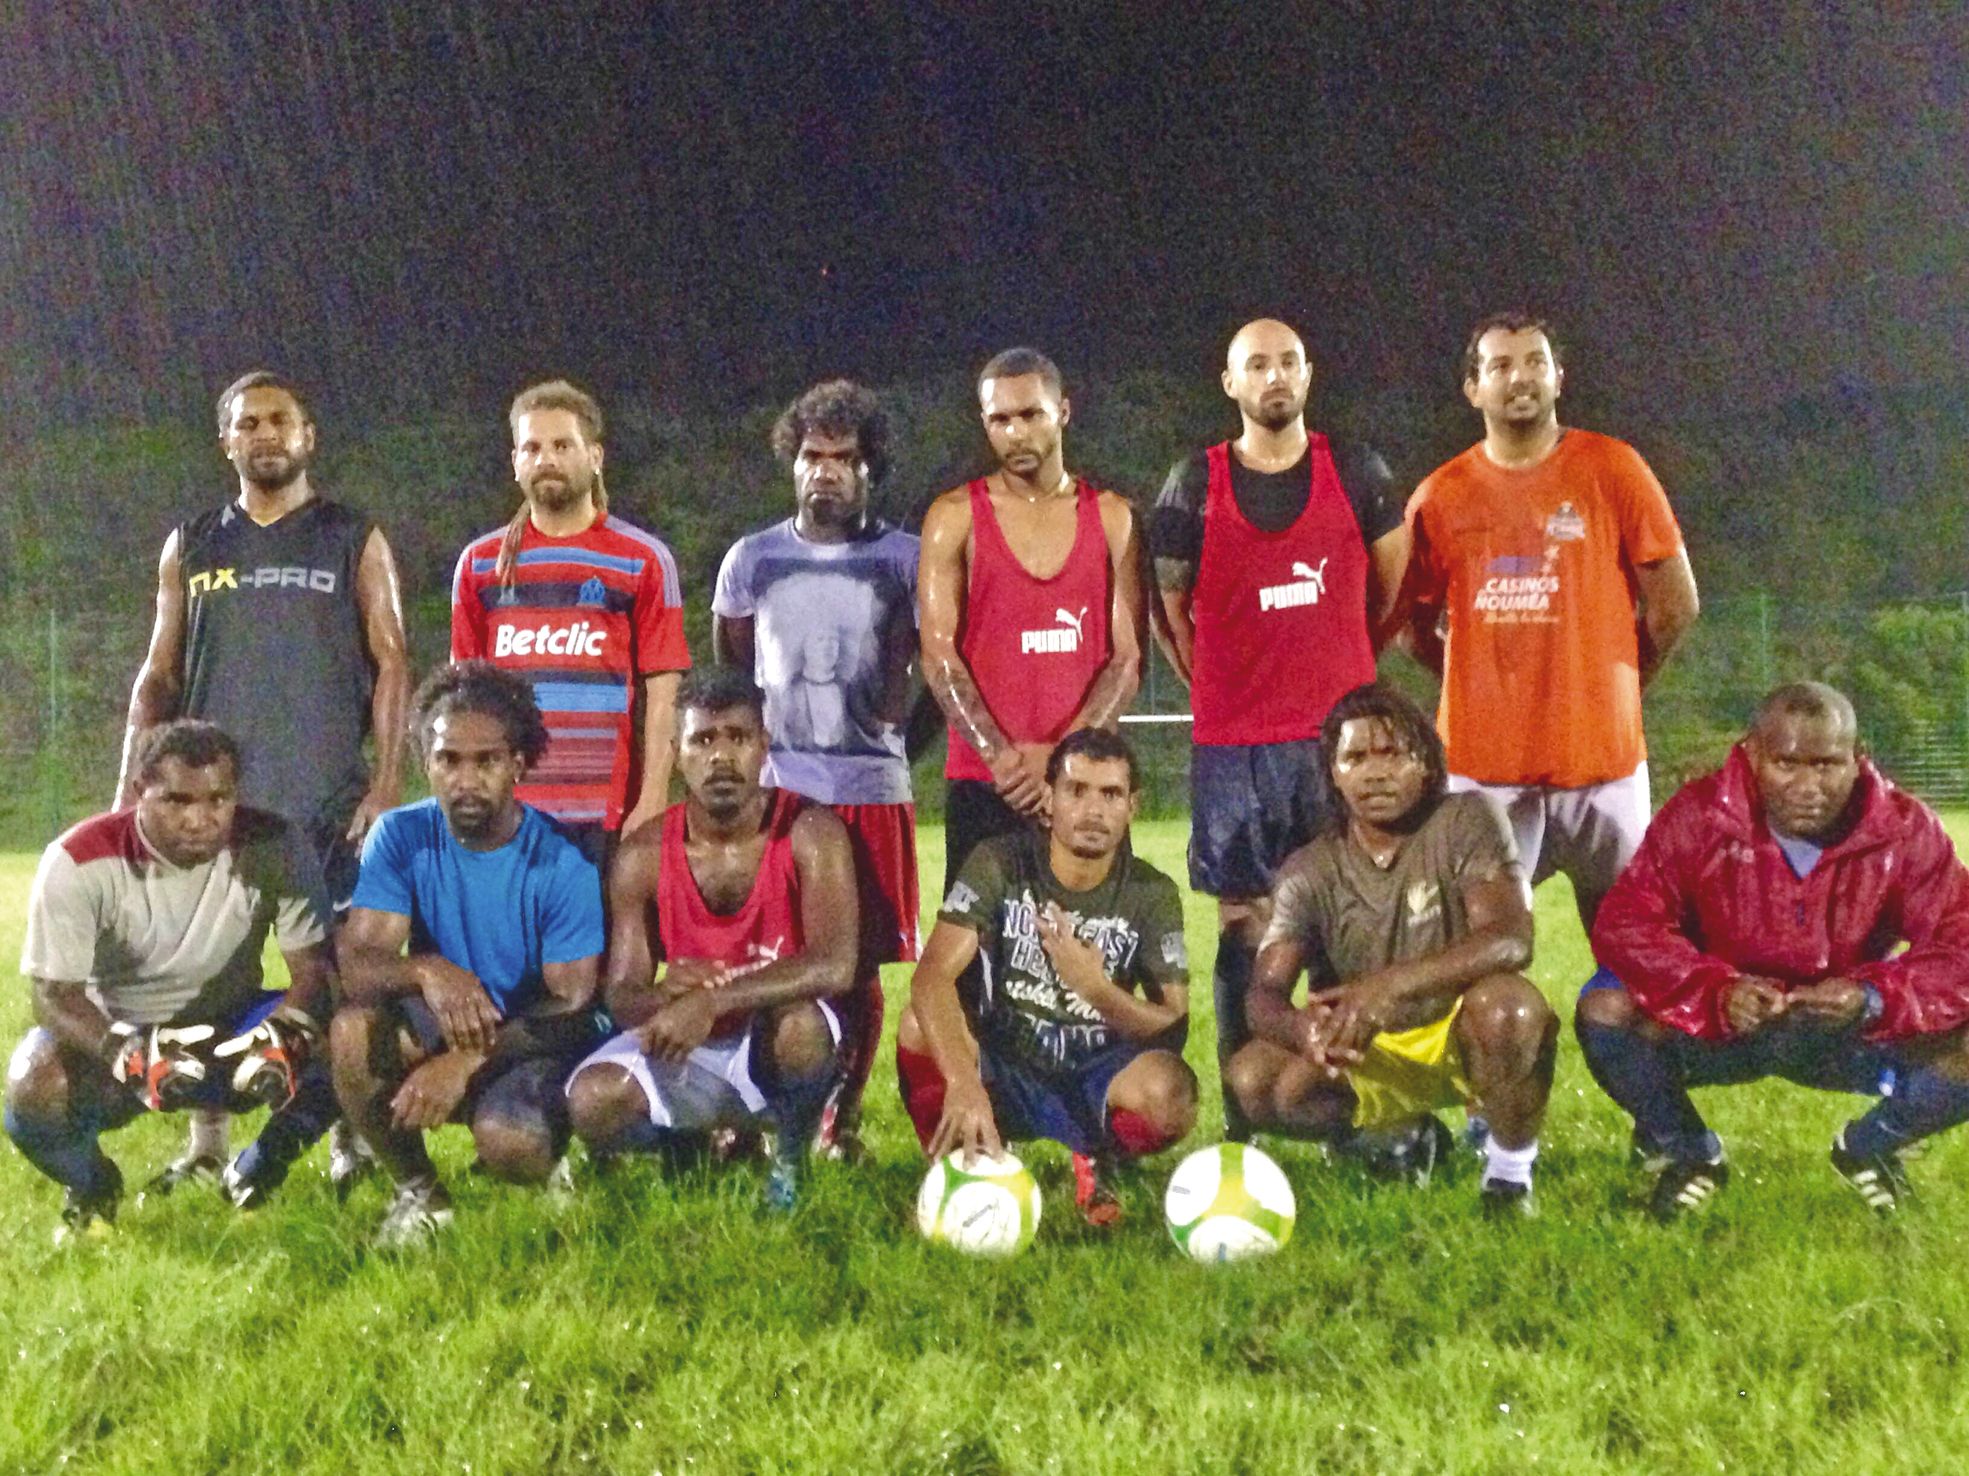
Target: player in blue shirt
480,1021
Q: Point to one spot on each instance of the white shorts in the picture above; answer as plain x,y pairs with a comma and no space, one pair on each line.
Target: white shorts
712,1087
1588,834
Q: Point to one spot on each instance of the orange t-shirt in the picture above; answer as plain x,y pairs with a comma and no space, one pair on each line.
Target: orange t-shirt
1535,568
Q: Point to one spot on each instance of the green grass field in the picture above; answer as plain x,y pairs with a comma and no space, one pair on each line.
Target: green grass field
661,1324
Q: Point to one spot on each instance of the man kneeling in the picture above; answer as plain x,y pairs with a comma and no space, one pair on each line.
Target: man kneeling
1412,912
753,891
144,933
502,914
1791,915
1071,925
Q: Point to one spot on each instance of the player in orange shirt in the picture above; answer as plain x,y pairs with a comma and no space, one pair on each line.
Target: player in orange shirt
1547,584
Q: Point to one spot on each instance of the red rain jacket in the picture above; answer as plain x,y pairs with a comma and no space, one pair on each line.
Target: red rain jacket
1710,896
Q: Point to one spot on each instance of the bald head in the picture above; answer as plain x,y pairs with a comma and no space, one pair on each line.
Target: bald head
1814,702
1266,372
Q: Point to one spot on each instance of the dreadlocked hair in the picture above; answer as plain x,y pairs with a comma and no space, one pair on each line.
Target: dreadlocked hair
552,394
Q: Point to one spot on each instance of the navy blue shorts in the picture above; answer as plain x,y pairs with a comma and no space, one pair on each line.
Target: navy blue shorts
1251,806
1835,1063
1072,1110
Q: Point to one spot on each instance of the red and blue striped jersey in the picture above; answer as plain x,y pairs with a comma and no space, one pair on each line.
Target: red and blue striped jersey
585,619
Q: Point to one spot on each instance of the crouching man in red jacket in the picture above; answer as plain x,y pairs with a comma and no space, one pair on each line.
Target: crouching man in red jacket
1759,933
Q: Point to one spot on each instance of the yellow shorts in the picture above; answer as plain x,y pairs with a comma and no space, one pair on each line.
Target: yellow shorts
1409,1072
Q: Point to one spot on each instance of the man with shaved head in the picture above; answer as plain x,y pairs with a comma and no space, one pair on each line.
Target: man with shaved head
1277,558
1792,915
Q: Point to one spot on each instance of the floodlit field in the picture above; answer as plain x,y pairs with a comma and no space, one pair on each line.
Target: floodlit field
666,1325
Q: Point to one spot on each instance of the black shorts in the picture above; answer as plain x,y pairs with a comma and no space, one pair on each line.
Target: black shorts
972,812
1251,806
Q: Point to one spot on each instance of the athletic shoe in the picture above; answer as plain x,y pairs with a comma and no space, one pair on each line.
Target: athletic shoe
1502,1199
1407,1153
735,1145
188,1168
1882,1181
90,1217
1686,1184
559,1187
349,1158
1092,1195
838,1138
415,1216
248,1191
1643,1157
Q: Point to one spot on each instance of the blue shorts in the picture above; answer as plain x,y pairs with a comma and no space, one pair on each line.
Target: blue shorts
1830,1063
1069,1109
1251,806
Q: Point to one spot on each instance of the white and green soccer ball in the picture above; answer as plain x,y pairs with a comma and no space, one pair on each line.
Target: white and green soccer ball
1229,1203
981,1205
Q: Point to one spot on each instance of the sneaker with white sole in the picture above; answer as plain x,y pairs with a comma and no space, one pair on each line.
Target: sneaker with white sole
349,1158
186,1169
1685,1185
415,1216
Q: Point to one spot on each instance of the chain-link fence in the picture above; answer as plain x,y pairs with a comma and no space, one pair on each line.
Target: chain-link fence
66,669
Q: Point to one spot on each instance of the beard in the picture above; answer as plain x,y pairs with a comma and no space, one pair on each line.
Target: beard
1276,415
273,473
557,494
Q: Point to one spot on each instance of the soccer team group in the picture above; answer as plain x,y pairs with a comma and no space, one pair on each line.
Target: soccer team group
549,948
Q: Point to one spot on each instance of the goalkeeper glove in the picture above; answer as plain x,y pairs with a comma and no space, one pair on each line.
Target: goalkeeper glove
271,1055
156,1063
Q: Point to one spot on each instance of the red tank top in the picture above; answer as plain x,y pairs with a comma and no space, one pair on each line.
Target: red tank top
765,929
1033,645
1281,618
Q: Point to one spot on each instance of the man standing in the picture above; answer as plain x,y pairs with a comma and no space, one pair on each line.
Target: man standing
753,895
502,918
586,607
1791,915
1530,550
1079,1032
278,618
145,928
1412,917
1031,608
1277,556
821,610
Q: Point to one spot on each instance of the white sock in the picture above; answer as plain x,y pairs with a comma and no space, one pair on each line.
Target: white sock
209,1135
1508,1165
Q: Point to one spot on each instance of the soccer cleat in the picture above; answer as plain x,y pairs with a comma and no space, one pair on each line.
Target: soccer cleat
188,1168
838,1138
1686,1184
249,1189
559,1187
1502,1200
349,1158
735,1145
90,1217
1092,1195
1406,1153
1644,1157
1881,1181
415,1216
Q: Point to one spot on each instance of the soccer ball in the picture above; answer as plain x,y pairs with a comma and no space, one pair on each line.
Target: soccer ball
1228,1203
981,1205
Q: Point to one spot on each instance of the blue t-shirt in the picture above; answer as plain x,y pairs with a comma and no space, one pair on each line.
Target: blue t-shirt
501,914
833,633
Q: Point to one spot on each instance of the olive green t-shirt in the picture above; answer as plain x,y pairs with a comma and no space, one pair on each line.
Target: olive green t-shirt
1026,1015
1353,917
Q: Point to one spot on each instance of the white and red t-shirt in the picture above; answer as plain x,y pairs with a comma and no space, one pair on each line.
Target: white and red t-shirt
585,619
162,944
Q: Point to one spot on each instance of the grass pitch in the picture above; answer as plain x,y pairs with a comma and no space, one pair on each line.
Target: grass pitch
662,1324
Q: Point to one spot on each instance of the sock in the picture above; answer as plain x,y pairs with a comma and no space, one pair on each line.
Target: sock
796,1107
1230,981
1924,1102
1508,1165
864,1041
1135,1134
209,1132
922,1091
65,1151
1640,1076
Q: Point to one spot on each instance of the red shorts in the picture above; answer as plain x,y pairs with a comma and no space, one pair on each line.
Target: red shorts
884,841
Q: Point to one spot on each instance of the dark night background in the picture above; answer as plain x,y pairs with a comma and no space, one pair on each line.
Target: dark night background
1728,207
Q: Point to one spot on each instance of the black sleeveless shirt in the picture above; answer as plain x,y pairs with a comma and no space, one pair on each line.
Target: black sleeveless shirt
275,654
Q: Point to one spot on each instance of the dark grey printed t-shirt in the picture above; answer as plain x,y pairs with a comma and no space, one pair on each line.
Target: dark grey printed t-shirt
1027,1016
1354,917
